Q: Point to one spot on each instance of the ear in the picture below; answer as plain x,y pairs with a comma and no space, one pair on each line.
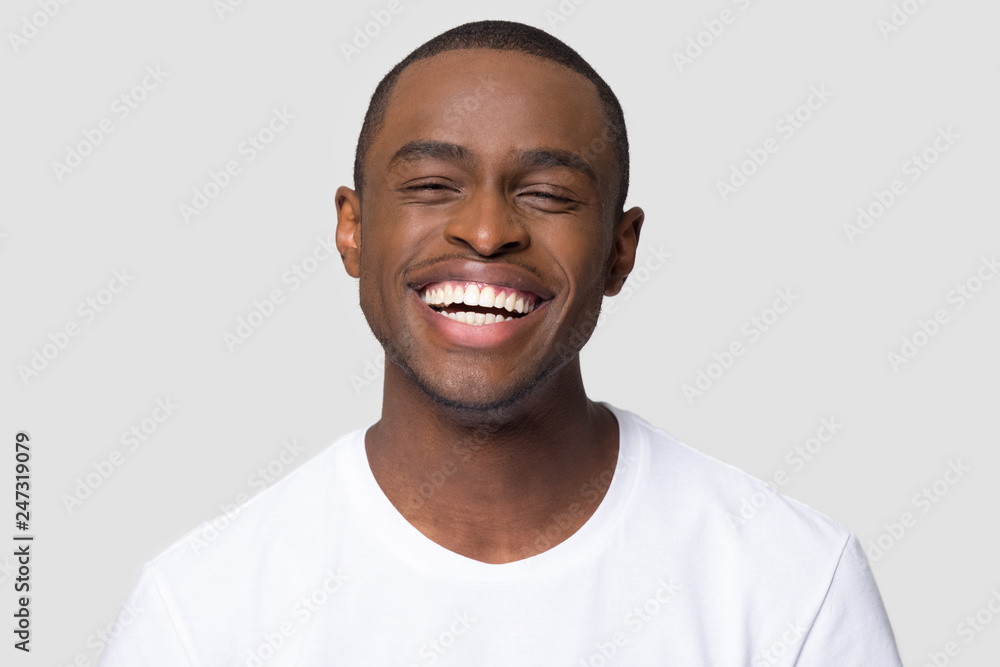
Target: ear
622,259
349,229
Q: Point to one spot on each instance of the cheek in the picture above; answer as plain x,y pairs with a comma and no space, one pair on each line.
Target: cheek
582,256
389,241
385,237
376,268
398,229
368,292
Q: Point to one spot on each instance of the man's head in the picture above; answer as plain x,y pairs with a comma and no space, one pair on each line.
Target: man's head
504,36
488,171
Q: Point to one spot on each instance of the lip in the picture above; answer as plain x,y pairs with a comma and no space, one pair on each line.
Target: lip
501,275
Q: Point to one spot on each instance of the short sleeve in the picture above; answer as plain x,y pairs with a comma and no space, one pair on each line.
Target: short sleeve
851,627
150,638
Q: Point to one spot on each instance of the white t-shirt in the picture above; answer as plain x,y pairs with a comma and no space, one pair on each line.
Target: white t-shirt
321,569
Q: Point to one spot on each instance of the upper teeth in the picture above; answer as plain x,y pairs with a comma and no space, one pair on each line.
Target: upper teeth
471,295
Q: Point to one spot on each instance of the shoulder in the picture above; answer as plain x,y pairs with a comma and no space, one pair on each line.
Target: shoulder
722,509
280,521
209,593
743,551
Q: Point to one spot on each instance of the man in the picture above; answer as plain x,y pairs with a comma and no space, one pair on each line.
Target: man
494,515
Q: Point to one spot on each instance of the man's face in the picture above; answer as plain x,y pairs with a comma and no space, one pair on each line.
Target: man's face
483,202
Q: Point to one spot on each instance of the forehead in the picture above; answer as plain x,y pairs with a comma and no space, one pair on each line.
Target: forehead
496,103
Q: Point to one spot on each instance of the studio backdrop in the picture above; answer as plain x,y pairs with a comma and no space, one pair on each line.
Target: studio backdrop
816,298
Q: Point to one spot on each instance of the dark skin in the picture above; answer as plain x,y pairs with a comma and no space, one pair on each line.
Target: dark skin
490,181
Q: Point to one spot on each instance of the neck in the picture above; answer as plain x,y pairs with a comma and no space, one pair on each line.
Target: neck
494,485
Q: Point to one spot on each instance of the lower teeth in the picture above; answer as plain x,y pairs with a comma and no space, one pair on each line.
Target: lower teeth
475,318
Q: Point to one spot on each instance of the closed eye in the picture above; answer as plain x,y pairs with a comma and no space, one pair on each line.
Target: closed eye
546,195
430,193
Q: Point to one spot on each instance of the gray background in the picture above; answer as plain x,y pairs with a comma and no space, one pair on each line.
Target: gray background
302,374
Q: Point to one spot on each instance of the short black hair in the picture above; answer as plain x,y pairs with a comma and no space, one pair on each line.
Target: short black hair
504,36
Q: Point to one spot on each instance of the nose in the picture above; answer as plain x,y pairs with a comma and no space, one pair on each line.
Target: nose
488,224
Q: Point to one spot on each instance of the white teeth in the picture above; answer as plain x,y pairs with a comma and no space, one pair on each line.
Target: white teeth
487,297
471,295
476,319
511,300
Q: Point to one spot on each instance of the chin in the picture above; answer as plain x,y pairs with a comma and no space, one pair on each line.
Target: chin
475,398
476,394
473,393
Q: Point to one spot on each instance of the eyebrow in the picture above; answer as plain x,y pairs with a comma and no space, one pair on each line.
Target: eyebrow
531,159
554,157
429,148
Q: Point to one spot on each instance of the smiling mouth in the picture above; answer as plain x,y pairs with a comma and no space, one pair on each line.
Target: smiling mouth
477,303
